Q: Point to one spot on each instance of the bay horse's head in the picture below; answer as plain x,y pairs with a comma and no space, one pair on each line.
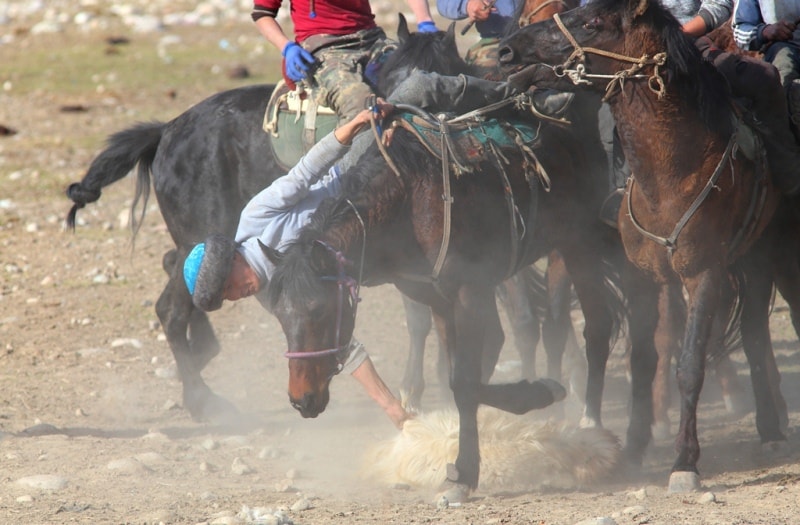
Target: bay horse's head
602,38
315,302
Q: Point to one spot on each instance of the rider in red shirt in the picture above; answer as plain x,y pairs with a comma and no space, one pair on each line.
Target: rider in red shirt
335,40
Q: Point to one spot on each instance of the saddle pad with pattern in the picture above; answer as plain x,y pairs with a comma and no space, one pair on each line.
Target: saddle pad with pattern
468,143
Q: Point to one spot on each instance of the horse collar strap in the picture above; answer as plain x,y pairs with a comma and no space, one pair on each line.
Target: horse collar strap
579,74
671,242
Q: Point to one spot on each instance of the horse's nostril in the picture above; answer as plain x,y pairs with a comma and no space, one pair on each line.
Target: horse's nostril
505,54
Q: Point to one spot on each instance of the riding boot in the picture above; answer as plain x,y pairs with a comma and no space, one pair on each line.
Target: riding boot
783,155
794,107
759,82
551,102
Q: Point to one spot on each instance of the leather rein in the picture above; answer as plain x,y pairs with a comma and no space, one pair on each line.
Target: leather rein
523,102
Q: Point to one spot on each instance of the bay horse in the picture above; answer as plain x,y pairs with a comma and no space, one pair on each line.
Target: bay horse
204,166
398,215
691,209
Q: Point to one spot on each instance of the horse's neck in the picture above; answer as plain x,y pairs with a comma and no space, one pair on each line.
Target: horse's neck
665,141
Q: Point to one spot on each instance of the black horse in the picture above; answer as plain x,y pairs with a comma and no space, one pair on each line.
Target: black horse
204,166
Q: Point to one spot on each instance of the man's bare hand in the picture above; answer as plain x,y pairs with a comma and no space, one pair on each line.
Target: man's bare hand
779,31
346,132
479,10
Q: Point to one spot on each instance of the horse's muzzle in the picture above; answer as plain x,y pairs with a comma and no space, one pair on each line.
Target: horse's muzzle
311,405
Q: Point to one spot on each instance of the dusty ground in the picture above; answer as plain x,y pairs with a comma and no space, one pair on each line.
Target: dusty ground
88,396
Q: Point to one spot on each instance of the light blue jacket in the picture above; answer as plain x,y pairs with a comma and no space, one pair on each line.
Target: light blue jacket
276,214
750,17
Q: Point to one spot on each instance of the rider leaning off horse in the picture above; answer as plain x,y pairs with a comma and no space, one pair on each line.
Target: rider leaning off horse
336,47
222,268
759,83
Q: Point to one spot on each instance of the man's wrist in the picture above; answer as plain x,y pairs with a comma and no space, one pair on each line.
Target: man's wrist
426,26
286,48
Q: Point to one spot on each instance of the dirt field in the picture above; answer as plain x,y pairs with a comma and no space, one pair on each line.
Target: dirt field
91,428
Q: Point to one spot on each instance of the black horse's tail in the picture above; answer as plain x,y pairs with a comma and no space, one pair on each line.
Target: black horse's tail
126,149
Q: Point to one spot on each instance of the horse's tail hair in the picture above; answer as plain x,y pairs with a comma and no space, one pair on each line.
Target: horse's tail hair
125,149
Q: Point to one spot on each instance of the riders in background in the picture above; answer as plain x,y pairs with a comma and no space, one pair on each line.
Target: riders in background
771,28
491,18
759,82
335,40
753,79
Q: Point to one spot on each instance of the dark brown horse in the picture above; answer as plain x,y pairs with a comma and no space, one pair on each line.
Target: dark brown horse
397,218
692,207
535,312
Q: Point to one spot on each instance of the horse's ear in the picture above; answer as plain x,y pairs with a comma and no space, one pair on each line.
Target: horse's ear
272,254
639,7
451,33
403,33
320,258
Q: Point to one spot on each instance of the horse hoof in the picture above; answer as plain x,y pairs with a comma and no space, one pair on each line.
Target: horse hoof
216,410
588,422
681,482
661,430
452,495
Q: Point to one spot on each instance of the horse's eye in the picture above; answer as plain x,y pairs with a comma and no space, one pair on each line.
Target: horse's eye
593,24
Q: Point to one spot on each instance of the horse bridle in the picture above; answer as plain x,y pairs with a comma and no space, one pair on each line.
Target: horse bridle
578,75
343,282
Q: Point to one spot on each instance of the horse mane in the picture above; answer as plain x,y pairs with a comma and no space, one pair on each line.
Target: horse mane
696,80
424,51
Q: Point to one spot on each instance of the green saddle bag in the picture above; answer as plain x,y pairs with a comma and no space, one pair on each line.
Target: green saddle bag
295,122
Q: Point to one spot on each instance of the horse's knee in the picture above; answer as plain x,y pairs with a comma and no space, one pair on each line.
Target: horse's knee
169,261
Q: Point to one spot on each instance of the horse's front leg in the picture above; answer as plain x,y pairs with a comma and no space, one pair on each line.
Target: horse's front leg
465,339
704,295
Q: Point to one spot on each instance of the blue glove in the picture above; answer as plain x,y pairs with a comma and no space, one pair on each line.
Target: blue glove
427,27
297,61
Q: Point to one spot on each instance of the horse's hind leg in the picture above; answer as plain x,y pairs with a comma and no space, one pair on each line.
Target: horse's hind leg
515,298
643,300
557,323
757,345
670,326
728,379
177,315
586,273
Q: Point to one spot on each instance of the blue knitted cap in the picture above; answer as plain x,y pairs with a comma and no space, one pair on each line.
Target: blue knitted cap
191,266
206,270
